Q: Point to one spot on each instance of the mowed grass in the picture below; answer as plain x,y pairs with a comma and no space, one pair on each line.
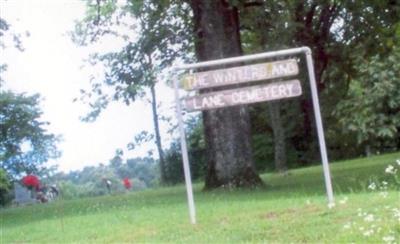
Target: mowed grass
290,209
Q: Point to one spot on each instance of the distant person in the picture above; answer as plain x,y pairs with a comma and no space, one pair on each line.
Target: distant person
107,182
127,183
54,191
32,182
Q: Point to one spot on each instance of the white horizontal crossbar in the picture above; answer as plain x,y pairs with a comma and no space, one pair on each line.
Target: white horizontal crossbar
242,58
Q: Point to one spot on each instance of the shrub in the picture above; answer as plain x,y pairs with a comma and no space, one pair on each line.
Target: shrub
5,187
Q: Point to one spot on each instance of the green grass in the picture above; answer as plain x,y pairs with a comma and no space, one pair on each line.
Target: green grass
289,209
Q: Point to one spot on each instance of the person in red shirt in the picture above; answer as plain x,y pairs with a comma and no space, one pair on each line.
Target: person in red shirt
127,183
32,182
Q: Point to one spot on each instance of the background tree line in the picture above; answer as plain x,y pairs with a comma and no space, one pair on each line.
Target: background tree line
90,181
354,46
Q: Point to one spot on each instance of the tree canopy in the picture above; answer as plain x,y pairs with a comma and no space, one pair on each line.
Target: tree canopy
354,44
25,143
371,109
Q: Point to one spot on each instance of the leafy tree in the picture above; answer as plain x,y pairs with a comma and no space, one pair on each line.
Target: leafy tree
89,181
196,150
8,38
338,32
135,67
19,127
173,160
143,169
3,28
116,163
371,109
25,145
68,189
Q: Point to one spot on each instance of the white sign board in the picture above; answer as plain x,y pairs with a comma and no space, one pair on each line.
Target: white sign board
246,95
241,74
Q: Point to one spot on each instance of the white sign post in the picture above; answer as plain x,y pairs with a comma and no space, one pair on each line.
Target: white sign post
246,95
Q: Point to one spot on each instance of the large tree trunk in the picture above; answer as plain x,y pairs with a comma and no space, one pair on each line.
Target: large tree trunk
227,130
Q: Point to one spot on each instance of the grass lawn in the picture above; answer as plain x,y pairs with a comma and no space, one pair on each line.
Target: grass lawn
290,209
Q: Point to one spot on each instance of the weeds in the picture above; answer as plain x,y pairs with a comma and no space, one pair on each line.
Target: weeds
382,223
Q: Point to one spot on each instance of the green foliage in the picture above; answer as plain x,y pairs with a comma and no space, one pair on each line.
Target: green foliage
89,181
139,64
341,34
140,138
196,151
68,189
25,145
173,168
5,187
4,26
144,169
371,110
8,38
263,151
135,67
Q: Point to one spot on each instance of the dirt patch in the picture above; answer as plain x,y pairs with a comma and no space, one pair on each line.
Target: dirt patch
292,211
271,215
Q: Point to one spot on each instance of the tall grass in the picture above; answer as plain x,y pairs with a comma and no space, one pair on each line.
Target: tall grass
290,209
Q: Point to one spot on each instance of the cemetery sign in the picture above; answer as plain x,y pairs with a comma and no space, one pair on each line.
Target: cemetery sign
241,74
241,94
246,95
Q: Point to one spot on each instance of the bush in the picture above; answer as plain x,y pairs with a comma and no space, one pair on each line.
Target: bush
5,187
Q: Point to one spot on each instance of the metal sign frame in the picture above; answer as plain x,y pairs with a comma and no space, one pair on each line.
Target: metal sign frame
265,55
